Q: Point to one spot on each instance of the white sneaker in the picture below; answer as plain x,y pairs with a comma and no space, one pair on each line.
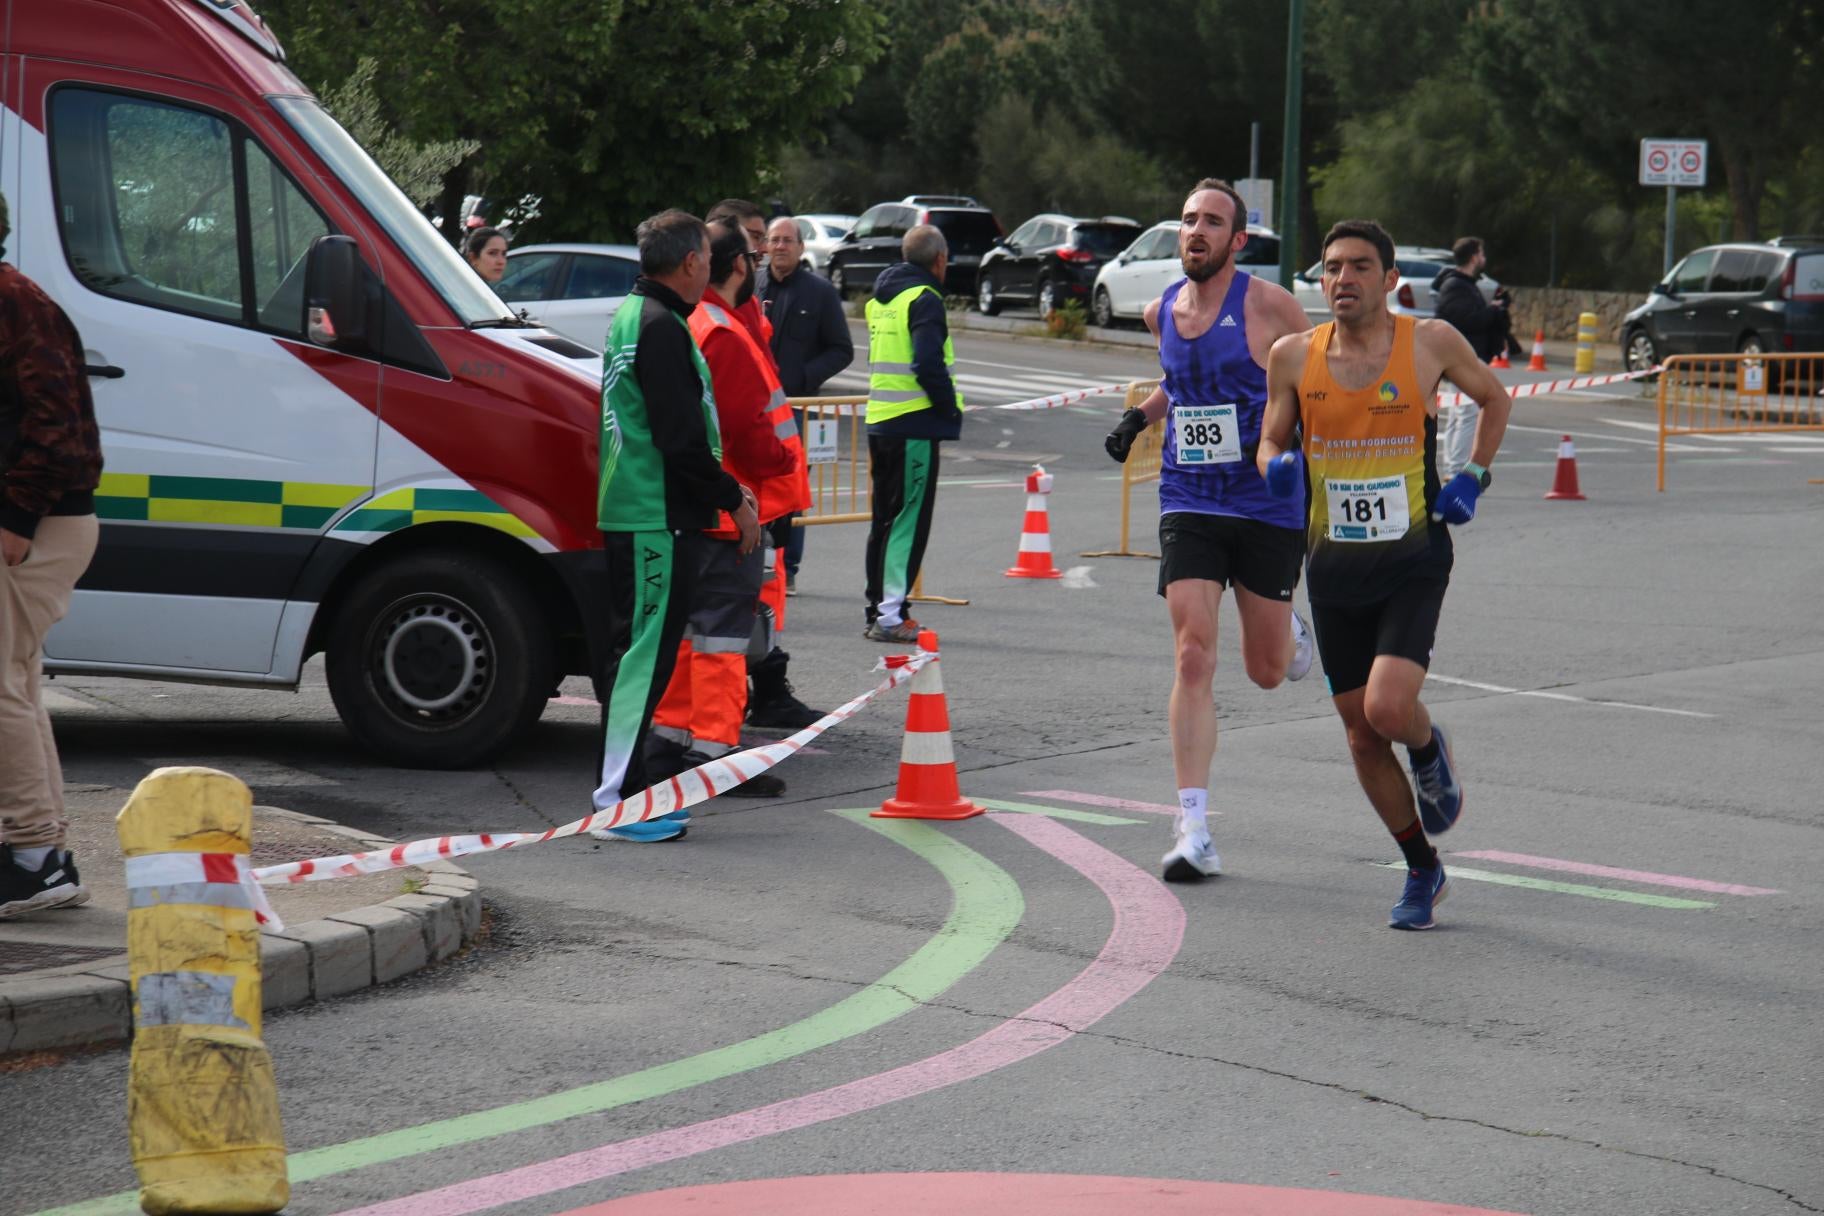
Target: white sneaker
1192,859
1303,649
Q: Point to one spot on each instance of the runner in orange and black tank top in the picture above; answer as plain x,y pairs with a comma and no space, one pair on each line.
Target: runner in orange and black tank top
1371,457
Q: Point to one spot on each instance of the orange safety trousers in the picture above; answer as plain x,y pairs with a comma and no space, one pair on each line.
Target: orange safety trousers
707,696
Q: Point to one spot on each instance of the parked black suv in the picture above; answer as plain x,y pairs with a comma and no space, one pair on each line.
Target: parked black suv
1748,297
1050,259
857,261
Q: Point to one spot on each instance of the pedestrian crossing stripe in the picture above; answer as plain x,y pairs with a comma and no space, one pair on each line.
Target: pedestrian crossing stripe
1586,890
293,505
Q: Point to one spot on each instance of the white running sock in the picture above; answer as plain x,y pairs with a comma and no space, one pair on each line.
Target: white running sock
31,860
1194,811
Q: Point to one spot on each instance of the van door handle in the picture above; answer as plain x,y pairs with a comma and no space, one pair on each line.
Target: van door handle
106,371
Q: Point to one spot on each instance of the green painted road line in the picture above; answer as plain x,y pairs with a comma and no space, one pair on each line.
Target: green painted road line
985,906
1032,808
1564,888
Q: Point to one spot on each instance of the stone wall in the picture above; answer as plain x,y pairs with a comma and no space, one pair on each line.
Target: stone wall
1555,309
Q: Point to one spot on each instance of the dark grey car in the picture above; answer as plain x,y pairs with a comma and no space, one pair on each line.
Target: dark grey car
854,264
1748,297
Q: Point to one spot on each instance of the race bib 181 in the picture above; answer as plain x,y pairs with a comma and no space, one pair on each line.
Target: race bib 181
1371,510
1207,434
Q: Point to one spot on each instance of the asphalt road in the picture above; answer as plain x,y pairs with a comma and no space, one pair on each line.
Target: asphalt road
1618,1013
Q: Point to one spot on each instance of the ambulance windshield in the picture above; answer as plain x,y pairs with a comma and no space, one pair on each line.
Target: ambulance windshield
473,300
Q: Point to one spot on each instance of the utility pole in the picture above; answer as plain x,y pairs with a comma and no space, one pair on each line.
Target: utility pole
1288,171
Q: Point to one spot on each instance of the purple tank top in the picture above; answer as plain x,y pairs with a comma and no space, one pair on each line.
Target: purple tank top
1215,473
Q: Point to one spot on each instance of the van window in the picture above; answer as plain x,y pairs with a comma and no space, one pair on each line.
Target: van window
149,203
1259,251
529,276
594,277
1691,274
1734,270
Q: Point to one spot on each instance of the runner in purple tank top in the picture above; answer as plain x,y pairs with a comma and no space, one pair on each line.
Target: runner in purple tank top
1218,524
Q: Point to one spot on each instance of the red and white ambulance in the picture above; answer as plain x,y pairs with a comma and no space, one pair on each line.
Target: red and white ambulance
323,432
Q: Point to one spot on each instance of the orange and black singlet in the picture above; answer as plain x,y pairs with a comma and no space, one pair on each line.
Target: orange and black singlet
1371,461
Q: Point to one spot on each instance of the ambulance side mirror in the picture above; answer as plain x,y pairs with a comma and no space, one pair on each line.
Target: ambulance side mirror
335,308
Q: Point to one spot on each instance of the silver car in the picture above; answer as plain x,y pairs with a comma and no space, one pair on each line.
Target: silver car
572,289
820,232
1134,278
1418,266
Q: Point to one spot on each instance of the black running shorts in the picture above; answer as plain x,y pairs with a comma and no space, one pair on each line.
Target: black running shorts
1351,636
1264,558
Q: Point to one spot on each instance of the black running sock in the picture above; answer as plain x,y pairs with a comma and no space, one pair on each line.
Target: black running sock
1424,756
1419,853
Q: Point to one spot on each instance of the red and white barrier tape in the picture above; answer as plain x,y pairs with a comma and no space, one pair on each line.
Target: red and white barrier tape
1057,400
185,878
1550,386
686,789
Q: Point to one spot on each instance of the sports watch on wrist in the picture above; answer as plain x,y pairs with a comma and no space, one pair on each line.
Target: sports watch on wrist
1479,473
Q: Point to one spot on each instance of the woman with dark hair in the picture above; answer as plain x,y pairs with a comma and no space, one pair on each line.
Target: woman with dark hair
486,250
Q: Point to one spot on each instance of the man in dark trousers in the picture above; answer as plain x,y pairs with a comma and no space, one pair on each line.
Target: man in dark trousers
662,484
50,464
811,341
913,404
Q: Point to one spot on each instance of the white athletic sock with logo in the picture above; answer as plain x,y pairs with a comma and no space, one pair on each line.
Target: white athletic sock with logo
31,860
1194,811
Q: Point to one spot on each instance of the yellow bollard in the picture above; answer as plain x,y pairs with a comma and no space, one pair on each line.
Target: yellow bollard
202,1103
1586,343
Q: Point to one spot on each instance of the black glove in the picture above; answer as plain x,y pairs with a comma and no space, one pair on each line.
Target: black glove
1121,439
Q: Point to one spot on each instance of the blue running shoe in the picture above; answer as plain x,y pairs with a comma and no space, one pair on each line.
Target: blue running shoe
1440,794
650,831
1425,890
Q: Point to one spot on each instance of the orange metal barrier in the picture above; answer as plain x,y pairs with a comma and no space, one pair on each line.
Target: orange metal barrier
1144,461
1737,395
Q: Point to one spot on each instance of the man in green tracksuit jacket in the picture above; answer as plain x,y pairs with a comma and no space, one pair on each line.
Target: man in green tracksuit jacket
662,484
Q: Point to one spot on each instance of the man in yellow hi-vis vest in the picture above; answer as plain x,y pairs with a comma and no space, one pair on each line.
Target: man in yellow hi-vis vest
913,404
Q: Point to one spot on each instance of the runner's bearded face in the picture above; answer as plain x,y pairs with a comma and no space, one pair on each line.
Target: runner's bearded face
1355,284
1207,236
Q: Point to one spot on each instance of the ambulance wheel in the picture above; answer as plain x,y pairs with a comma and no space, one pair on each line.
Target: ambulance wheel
438,659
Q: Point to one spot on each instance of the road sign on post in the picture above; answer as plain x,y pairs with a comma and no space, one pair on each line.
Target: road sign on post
1673,163
1257,193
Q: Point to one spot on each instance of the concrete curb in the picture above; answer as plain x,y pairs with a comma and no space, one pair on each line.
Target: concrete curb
92,1003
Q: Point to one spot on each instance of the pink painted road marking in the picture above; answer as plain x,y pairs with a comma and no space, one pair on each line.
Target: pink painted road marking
1148,929
1008,1195
1596,871
1119,804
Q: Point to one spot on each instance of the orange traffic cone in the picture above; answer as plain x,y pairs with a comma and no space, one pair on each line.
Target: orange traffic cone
1538,360
927,765
1500,359
1034,560
1564,482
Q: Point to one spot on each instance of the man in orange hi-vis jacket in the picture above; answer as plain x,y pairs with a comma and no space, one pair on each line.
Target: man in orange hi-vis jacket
700,716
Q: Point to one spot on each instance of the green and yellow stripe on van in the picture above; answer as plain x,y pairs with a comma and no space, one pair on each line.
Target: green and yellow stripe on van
293,505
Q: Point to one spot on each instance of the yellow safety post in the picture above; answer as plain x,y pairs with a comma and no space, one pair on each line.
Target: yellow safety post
1586,343
202,1103
1144,462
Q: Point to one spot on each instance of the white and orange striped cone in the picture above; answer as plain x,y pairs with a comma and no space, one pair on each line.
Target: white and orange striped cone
927,765
1537,363
1034,560
1564,480
1500,360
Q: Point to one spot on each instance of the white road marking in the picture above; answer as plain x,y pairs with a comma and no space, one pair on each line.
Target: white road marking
1564,696
1604,438
1077,578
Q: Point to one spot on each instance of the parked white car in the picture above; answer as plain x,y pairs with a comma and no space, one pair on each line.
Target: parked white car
820,233
1418,266
573,289
1135,278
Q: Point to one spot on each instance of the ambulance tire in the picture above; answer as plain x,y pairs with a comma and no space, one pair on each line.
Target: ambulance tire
437,660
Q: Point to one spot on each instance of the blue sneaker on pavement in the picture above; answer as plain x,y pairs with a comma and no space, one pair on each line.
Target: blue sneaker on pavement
1425,890
1440,794
650,831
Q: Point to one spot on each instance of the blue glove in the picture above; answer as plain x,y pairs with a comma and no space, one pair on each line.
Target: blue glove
1282,475
1456,502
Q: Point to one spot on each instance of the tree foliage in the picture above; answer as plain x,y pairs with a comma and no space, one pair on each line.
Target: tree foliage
419,169
609,109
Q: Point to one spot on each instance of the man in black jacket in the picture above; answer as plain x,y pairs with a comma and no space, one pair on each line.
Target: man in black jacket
1488,327
811,341
1460,301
